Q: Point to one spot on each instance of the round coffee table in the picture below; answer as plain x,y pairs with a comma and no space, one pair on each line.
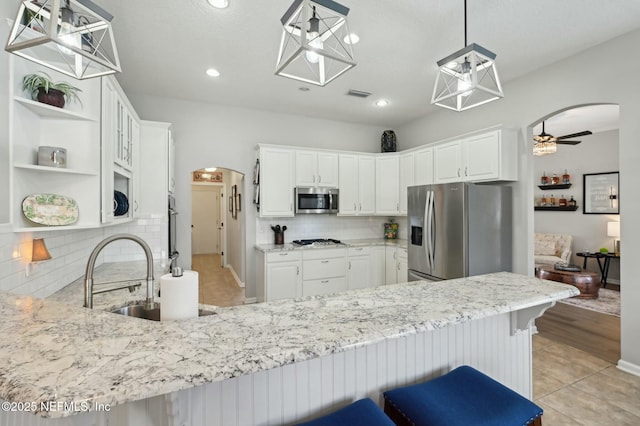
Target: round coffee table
587,282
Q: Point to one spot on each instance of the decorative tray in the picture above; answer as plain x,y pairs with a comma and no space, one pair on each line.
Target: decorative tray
50,209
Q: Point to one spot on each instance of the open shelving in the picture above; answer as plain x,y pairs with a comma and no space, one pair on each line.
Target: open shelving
47,169
556,208
556,186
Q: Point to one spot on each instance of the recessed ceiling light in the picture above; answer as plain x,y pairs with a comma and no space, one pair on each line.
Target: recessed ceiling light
219,4
351,38
212,72
382,103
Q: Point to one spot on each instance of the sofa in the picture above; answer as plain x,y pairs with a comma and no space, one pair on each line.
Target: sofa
552,248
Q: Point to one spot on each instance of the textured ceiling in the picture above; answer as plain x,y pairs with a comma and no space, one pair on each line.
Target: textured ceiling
165,47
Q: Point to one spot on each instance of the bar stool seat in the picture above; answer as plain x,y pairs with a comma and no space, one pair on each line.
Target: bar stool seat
364,412
464,396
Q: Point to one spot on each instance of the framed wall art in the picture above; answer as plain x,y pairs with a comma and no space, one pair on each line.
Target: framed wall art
601,193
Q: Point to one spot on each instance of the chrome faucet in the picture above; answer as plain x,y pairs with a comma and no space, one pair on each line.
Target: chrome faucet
88,276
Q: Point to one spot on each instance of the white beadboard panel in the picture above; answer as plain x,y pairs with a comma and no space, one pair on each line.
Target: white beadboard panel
308,389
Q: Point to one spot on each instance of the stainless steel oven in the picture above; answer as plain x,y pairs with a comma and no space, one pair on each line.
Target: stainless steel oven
316,200
172,213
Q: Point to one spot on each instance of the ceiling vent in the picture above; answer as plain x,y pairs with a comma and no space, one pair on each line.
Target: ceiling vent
358,93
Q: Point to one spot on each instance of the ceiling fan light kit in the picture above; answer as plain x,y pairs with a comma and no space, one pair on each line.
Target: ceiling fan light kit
312,46
544,148
547,144
73,37
467,78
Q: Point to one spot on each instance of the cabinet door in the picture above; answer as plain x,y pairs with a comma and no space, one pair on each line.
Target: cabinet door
283,280
378,267
171,163
276,182
359,272
348,184
387,185
327,170
135,162
306,170
448,162
366,185
481,157
109,138
402,265
424,167
390,265
326,286
153,172
407,162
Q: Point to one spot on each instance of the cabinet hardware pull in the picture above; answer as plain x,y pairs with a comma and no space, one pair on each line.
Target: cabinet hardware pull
314,178
284,254
297,270
398,266
359,249
324,261
465,171
458,171
360,206
324,281
319,178
349,265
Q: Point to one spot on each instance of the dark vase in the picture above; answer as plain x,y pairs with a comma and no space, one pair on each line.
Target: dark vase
388,141
53,97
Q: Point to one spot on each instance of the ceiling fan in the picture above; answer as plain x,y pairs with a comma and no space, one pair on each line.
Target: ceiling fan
545,137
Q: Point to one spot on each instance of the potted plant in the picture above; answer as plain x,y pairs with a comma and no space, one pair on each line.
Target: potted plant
44,90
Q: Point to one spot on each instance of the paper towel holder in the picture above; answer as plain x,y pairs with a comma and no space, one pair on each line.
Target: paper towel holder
176,272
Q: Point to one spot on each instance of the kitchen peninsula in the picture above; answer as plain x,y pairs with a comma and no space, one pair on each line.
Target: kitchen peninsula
268,363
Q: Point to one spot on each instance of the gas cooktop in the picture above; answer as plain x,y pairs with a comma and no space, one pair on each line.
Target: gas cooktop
317,242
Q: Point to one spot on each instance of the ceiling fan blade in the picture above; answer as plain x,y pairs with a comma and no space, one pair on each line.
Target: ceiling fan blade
576,135
568,142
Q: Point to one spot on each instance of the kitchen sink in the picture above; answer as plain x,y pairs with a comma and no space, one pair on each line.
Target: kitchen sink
153,314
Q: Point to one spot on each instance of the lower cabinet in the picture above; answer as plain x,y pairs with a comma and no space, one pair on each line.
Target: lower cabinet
397,265
359,266
279,275
324,271
378,265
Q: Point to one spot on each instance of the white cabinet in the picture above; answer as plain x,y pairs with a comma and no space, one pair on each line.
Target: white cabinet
316,168
359,267
324,271
155,175
485,157
279,275
357,184
407,179
276,182
387,184
378,267
120,134
423,167
397,270
171,166
32,124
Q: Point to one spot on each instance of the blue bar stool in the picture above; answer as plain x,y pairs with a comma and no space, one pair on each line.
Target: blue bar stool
364,412
464,396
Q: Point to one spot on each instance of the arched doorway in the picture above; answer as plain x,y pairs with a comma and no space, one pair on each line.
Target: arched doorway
217,235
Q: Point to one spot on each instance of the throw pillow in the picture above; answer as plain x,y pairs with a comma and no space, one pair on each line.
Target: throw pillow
545,248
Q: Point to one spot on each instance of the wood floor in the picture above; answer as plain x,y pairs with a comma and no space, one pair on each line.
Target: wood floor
216,284
595,333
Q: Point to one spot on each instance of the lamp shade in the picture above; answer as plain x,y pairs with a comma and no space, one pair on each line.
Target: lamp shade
39,251
613,229
73,37
312,47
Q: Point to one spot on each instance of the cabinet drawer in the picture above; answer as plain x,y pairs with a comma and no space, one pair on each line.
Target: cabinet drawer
359,251
283,256
326,286
324,268
317,253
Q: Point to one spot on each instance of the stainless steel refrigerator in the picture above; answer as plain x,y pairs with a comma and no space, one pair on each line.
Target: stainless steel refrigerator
458,230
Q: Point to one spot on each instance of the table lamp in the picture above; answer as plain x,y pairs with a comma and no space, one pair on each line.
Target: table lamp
613,230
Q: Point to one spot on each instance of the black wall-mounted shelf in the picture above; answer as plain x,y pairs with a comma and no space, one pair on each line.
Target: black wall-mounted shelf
557,186
556,208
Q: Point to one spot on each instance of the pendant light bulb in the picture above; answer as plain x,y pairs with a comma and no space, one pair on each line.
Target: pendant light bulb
67,32
313,36
464,81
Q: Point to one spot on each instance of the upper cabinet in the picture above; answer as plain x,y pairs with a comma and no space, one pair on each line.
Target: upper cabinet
423,168
276,181
155,173
388,184
357,184
69,164
490,156
407,178
316,168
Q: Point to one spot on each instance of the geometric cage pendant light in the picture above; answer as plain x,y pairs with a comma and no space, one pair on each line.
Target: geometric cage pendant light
312,46
467,78
73,37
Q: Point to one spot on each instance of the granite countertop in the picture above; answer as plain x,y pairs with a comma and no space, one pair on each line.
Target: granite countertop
344,243
63,352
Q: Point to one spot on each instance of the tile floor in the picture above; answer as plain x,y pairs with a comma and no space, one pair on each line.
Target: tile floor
216,284
576,388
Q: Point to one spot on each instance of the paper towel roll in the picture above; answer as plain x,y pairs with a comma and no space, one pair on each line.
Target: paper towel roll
179,296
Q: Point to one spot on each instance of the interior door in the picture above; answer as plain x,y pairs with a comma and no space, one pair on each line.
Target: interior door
205,216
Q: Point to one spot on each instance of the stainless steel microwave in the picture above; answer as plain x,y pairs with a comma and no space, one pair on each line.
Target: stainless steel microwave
316,200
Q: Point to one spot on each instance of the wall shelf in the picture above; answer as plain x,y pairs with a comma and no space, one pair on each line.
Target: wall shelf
53,169
37,228
557,186
556,208
48,111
